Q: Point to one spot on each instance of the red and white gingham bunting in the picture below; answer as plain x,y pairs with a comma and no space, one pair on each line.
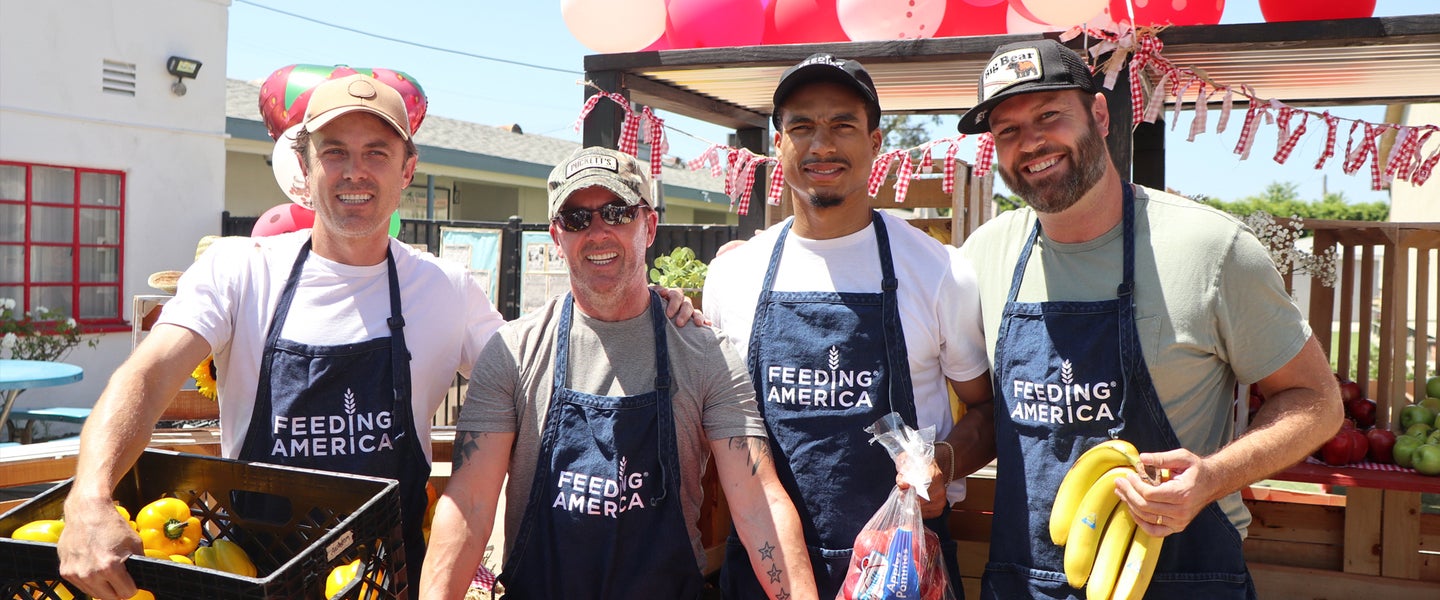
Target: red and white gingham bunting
629,142
879,168
1149,51
777,184
1422,174
1197,125
1225,106
947,184
984,154
1332,123
1286,143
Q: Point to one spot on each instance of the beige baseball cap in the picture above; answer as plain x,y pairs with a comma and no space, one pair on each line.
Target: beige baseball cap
599,167
336,97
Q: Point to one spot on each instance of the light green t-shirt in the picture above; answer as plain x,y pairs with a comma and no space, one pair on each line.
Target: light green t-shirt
1211,309
509,392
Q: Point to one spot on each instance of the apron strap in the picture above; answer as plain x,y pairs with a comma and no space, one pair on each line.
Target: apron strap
897,359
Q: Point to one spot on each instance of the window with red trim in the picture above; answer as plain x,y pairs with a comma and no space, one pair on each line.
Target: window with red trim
61,235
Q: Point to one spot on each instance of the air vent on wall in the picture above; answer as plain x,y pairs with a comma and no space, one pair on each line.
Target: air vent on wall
117,78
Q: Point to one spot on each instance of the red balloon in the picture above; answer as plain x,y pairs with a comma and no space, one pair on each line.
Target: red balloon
1307,10
802,22
1172,12
965,17
286,93
714,23
283,218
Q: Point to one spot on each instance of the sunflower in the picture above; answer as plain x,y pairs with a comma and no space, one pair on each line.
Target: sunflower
205,377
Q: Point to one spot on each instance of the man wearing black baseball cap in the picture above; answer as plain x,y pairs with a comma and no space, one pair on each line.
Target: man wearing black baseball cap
1120,311
848,314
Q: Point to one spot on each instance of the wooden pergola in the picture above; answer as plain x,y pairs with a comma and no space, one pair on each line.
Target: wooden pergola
1304,64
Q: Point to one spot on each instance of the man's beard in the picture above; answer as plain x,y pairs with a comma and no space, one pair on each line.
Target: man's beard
825,200
1089,160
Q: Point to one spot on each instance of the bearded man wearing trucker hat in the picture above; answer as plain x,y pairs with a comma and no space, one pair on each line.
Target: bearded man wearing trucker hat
842,289
1164,303
604,415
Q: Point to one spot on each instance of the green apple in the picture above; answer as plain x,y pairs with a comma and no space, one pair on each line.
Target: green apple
1420,430
1433,438
1427,459
1431,403
1432,387
1404,449
1415,413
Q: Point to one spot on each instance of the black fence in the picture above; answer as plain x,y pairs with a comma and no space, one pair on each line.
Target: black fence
705,240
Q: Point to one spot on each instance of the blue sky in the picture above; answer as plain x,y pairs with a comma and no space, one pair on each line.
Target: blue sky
546,101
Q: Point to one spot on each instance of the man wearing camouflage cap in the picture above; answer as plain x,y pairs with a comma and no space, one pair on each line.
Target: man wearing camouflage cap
604,414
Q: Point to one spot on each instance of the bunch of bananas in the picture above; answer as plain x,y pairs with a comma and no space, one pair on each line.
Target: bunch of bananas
1105,553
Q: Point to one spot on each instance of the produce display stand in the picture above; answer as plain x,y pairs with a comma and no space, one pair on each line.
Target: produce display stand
1373,541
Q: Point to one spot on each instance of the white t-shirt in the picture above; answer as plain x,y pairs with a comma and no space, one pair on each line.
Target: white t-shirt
229,295
938,300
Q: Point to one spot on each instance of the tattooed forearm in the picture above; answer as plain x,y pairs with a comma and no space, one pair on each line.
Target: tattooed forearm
766,551
466,443
757,450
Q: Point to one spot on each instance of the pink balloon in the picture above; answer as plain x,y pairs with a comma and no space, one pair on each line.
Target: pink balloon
1173,12
714,23
980,3
283,218
890,19
965,17
802,22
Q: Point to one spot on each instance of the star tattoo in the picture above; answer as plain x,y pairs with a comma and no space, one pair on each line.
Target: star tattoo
783,595
774,574
767,551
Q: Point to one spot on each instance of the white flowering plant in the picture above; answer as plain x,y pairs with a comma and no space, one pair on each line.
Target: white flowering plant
1280,238
41,334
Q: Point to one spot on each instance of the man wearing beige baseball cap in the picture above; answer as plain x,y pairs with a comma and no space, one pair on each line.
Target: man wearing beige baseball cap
604,414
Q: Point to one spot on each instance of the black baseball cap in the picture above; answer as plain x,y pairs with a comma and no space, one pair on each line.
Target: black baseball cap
1023,67
825,67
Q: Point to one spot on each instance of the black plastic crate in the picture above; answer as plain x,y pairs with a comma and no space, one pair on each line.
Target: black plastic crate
333,519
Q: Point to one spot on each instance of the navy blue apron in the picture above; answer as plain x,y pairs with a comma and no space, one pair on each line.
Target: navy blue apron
604,518
343,408
1066,389
826,365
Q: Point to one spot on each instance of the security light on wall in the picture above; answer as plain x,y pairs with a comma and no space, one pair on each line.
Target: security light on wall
182,69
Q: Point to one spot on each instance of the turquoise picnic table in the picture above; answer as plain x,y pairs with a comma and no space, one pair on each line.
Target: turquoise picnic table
19,375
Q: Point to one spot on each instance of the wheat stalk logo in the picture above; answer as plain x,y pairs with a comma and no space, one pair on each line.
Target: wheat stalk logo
349,401
1067,372
622,474
834,365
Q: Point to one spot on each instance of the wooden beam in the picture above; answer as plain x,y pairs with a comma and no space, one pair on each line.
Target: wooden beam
698,106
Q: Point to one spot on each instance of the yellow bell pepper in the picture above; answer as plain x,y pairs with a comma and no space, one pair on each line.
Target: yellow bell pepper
227,556
44,530
166,525
342,575
56,591
125,514
160,554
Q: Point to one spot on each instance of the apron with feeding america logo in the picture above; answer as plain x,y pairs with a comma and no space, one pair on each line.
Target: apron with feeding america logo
604,518
343,408
1065,389
826,365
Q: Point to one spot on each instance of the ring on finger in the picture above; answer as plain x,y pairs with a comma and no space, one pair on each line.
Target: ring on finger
1160,520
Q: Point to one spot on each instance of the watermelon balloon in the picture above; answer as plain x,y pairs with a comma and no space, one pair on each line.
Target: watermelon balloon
286,93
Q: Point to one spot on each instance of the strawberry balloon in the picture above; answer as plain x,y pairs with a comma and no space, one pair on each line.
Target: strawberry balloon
285,94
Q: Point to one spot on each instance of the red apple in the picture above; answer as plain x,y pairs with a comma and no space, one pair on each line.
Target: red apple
1347,423
1363,411
1350,391
1382,445
1337,450
1359,446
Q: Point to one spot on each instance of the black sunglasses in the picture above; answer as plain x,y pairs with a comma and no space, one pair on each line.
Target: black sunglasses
579,219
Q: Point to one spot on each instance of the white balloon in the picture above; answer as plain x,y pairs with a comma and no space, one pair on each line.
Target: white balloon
286,166
1064,13
607,26
889,19
1017,23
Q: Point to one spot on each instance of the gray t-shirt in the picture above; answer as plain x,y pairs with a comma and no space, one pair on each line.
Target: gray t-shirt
510,389
1211,309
